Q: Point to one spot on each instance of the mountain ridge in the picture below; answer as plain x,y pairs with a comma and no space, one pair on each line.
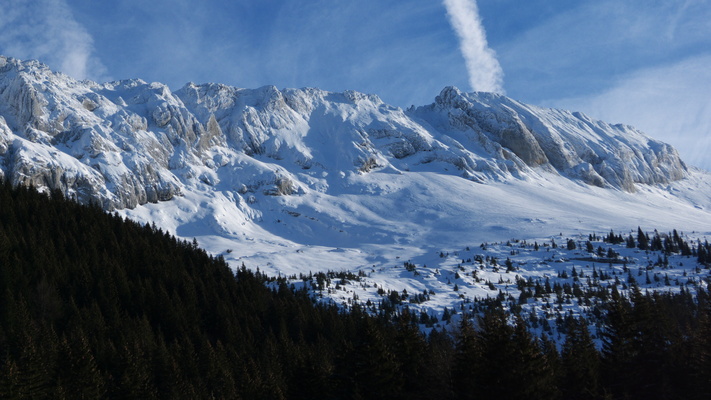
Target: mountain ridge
298,176
484,136
299,181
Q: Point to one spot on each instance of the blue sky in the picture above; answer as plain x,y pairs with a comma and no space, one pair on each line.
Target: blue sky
642,62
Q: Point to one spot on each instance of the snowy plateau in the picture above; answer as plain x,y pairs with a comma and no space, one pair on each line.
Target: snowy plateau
378,199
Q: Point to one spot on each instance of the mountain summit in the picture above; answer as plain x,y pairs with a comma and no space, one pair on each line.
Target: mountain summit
307,167
131,142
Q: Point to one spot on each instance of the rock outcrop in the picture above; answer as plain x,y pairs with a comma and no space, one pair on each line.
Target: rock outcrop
121,144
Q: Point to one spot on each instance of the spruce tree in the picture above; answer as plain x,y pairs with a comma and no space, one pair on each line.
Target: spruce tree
79,376
467,360
535,377
580,362
642,239
618,352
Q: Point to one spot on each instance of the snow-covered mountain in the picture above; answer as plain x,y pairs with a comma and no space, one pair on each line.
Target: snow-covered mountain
297,179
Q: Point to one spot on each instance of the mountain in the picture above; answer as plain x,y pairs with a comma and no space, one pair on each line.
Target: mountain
470,206
297,179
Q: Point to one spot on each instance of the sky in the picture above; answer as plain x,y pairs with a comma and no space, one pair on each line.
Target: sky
644,63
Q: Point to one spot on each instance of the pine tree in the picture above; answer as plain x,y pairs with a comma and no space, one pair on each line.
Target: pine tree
618,345
630,243
9,379
410,349
580,362
589,247
466,361
701,358
494,338
571,244
512,364
79,375
652,335
642,239
553,361
535,377
136,378
373,369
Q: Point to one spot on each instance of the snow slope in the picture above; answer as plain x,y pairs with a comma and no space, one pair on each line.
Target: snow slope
299,180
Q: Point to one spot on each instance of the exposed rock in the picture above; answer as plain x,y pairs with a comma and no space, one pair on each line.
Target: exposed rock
572,144
126,143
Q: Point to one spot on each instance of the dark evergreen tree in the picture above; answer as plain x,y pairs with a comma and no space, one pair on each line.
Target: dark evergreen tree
701,356
410,349
571,244
79,376
580,363
642,239
618,346
93,306
467,358
535,377
630,243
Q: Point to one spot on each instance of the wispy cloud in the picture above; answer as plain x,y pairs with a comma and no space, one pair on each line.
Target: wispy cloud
47,30
485,73
394,49
583,48
670,103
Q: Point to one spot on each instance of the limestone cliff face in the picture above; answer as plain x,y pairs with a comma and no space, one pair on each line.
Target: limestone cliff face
571,144
126,143
80,138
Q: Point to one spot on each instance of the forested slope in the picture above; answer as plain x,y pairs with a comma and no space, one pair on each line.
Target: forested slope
94,306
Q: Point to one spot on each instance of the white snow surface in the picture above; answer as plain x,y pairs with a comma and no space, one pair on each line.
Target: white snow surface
302,180
384,218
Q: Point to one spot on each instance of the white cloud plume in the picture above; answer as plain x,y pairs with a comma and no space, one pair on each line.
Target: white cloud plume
485,73
47,30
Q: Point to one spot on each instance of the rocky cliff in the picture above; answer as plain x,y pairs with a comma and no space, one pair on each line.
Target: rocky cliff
130,142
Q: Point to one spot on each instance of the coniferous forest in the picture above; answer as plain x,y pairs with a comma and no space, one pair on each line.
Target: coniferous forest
94,306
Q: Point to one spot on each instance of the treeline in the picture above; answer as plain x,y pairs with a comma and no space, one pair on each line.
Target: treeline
94,306
652,346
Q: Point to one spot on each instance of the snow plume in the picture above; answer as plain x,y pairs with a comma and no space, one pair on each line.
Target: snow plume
47,30
485,73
